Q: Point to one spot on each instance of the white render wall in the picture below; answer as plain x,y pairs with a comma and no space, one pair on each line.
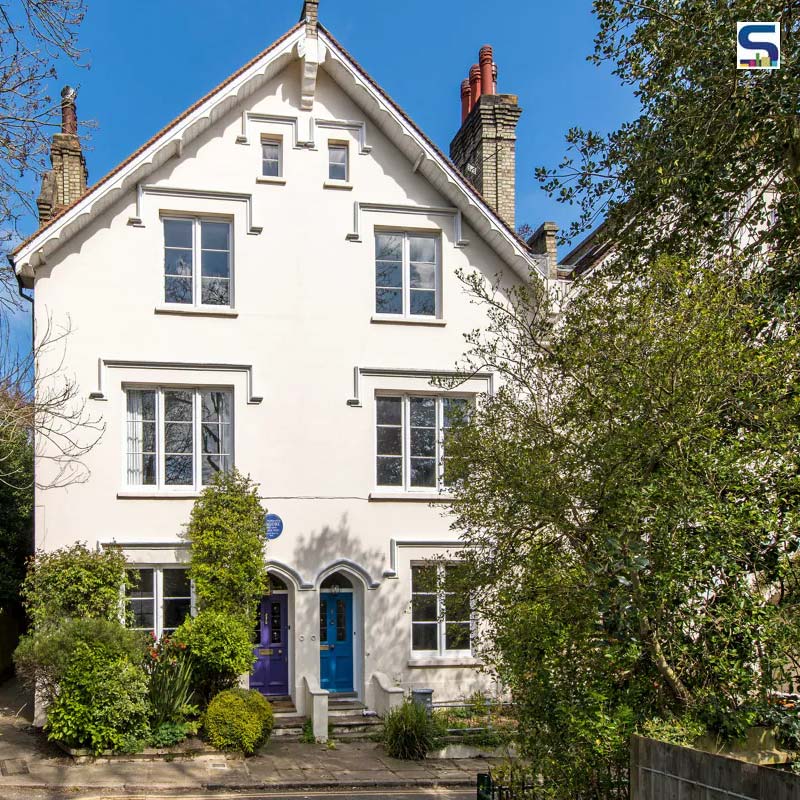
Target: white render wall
304,297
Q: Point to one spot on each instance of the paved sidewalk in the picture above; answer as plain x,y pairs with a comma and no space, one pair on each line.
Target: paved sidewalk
32,768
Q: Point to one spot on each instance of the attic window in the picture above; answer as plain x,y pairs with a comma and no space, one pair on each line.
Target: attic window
271,157
337,161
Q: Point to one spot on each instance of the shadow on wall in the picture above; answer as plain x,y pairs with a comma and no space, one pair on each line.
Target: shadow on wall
319,549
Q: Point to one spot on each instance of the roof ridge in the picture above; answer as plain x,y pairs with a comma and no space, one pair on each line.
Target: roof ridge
469,186
155,137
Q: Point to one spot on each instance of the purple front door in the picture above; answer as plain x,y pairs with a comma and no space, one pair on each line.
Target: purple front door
271,671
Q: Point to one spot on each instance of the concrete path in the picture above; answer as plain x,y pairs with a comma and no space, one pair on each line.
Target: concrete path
32,768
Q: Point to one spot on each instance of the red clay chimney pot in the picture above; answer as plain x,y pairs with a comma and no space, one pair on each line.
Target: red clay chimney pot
466,100
486,60
474,84
69,116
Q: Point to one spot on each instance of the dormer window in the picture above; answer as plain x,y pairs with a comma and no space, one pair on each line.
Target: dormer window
197,261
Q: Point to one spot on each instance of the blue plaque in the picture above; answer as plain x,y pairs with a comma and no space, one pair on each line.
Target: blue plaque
273,525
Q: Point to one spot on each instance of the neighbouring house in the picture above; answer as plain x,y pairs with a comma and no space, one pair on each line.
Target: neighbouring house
270,281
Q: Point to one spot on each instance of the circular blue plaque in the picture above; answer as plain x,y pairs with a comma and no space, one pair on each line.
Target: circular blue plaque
273,525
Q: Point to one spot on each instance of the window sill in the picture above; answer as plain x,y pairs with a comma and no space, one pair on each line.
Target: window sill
437,662
393,320
413,497
276,180
195,311
135,494
347,186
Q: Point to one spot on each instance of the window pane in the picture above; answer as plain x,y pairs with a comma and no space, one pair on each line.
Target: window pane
323,620
388,301
423,442
388,247
178,437
390,441
141,437
390,471
216,292
178,290
455,410
175,612
455,578
270,159
341,621
178,406
178,232
143,614
424,635
423,578
423,472
215,235
142,583
178,470
176,583
216,406
211,465
457,636
216,264
423,303
422,248
423,608
423,276
177,262
389,410
423,412
388,274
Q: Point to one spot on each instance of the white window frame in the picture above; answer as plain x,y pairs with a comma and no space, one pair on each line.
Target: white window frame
345,147
197,266
276,140
405,419
158,594
407,235
160,486
441,617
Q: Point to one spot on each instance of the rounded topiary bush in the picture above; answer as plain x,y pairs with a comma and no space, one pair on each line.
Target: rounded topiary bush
238,719
410,732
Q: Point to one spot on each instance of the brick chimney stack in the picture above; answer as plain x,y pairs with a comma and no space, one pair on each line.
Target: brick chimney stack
544,241
483,148
310,14
66,181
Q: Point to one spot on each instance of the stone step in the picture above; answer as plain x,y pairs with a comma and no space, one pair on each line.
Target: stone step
288,721
343,708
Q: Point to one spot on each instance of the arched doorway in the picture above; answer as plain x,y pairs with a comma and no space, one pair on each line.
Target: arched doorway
270,674
337,634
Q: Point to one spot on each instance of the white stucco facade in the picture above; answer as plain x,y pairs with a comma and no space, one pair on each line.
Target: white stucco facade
300,347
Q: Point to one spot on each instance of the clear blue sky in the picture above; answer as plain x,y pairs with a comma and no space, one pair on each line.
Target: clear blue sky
150,60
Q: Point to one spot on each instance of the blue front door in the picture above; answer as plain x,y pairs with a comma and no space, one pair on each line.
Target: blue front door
336,641
271,670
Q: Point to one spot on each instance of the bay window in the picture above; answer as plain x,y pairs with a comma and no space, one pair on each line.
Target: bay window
178,438
159,598
441,617
411,436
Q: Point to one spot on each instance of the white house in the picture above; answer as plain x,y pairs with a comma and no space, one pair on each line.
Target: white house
270,282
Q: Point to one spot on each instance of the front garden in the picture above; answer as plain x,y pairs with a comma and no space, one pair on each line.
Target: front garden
110,689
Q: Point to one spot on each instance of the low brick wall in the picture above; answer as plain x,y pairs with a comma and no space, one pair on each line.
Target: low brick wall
661,771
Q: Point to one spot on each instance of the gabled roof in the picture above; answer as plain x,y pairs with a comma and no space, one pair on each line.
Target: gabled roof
365,92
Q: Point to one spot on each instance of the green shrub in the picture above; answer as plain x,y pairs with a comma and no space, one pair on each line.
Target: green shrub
42,657
226,531
221,649
169,667
410,732
74,582
101,702
238,719
169,733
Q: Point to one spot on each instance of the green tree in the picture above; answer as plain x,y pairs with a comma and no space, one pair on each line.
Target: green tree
226,532
631,498
74,582
16,514
710,140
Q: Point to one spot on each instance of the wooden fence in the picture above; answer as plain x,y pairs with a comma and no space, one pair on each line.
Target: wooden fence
661,771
